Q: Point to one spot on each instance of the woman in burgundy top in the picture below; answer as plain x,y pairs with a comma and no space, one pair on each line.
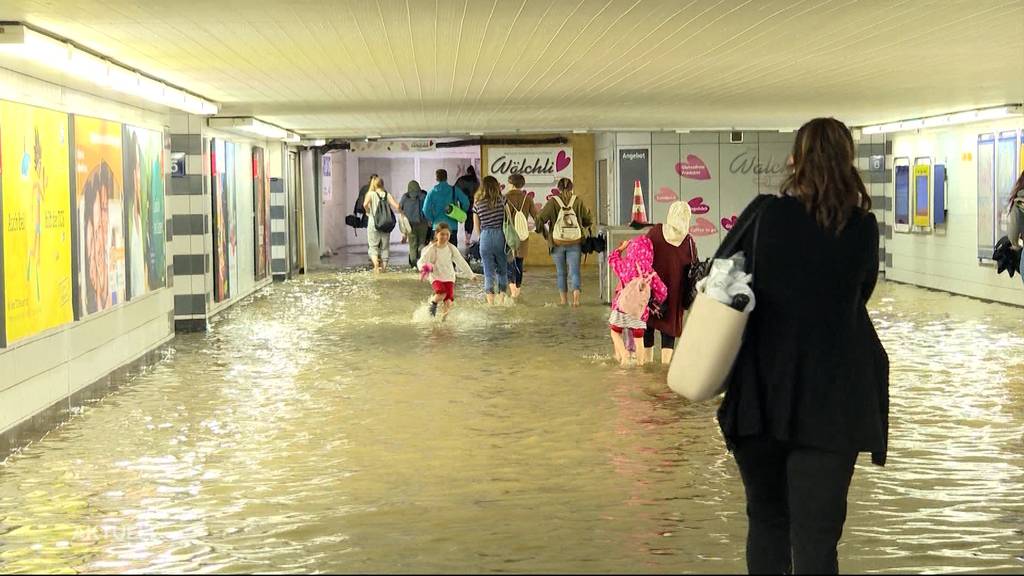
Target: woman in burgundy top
674,250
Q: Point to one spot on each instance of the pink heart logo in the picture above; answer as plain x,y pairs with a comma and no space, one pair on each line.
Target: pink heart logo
728,223
562,161
666,195
697,205
694,168
703,227
554,192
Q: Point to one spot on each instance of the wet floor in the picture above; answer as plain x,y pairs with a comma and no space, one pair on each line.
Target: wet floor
330,426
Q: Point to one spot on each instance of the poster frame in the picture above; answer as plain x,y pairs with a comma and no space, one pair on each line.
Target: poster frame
987,139
900,164
939,194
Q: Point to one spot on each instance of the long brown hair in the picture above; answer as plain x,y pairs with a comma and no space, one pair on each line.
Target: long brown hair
823,175
489,192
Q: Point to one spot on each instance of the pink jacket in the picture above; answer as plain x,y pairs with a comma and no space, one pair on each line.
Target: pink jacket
640,251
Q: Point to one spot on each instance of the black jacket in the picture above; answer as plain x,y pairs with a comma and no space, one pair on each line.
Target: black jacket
811,370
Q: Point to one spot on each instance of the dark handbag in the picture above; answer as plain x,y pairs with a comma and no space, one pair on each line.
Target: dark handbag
695,272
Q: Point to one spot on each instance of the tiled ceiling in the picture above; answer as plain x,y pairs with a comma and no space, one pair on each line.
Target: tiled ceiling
418,67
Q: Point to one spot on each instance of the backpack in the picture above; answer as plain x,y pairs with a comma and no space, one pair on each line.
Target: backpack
520,225
412,207
567,225
508,228
383,216
636,295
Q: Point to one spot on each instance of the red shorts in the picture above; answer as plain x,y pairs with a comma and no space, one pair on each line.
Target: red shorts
637,332
446,289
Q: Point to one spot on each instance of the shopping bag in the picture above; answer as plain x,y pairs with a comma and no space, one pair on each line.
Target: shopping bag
707,349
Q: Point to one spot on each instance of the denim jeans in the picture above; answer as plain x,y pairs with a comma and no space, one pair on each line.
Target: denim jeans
567,259
492,252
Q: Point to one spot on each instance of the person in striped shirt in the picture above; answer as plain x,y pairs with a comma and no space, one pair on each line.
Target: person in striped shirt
488,217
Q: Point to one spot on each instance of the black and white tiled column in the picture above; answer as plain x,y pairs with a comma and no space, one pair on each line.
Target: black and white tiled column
278,230
874,160
188,206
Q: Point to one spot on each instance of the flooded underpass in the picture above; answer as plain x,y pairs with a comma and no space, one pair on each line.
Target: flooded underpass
331,426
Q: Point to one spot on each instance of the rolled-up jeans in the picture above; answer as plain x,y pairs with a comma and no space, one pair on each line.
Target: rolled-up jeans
492,252
567,266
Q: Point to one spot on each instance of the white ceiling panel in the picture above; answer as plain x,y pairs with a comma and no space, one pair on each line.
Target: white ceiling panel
412,67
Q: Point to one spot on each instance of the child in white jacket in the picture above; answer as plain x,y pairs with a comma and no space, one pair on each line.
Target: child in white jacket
441,262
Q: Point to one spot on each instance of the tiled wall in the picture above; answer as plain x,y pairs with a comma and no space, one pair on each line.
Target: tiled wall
947,258
45,370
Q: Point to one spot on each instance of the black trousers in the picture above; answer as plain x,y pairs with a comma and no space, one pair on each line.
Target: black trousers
796,505
667,342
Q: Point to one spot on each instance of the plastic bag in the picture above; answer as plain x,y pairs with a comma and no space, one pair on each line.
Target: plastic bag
728,283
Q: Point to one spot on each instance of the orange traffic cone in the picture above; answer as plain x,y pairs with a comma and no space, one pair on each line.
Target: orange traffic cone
639,209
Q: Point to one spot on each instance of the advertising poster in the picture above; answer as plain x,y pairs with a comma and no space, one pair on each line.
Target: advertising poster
922,205
218,176
986,195
540,166
901,185
36,212
1006,177
145,172
231,194
327,187
99,208
698,169
261,211
939,194
634,165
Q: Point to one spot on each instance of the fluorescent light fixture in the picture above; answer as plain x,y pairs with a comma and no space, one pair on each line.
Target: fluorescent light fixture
579,131
979,115
67,59
682,131
316,142
250,126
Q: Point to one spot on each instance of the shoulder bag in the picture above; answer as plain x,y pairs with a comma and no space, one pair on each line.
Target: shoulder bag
712,331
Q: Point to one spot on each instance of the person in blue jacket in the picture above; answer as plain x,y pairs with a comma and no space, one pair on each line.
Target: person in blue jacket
439,198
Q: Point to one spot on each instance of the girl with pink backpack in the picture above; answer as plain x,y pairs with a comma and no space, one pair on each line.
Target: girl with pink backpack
639,286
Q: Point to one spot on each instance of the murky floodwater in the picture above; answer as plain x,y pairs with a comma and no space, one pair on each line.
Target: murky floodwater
329,426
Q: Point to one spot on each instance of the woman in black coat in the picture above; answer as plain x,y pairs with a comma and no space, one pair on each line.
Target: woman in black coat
810,389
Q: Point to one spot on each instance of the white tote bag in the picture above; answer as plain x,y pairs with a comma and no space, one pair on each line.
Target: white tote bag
712,333
711,340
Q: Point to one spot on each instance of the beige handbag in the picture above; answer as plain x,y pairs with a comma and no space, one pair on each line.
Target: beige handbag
711,340
712,333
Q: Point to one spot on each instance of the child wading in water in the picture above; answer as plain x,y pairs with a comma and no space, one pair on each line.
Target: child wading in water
441,262
638,285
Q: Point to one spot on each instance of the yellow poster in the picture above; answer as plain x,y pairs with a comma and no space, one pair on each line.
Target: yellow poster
922,196
99,201
36,194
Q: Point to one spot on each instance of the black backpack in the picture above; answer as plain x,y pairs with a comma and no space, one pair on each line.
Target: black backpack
383,216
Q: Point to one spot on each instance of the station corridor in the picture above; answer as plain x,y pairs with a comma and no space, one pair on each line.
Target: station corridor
329,426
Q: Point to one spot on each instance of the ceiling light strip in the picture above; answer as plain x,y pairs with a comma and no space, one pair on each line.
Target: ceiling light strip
71,59
978,115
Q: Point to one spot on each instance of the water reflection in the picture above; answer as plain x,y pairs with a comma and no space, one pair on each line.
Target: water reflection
330,425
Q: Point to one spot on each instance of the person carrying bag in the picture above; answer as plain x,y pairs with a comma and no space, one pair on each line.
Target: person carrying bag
713,332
